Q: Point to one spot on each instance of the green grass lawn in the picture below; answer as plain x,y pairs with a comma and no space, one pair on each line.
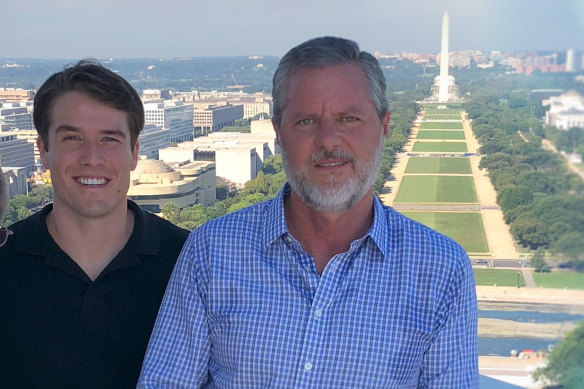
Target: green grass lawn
559,279
464,227
442,116
441,126
436,189
499,277
444,147
429,110
437,134
438,165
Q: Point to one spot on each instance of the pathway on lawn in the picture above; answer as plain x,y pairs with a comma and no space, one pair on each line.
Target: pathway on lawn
500,241
528,277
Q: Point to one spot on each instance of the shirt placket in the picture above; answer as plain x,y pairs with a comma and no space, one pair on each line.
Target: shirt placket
309,371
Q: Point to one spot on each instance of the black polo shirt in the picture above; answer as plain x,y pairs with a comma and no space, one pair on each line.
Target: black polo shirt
59,329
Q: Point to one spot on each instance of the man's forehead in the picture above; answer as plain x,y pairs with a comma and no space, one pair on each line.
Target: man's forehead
75,110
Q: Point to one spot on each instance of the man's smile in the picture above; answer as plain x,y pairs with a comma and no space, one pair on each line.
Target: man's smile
91,181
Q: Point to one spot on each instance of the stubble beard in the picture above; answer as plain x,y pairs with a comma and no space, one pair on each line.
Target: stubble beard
333,196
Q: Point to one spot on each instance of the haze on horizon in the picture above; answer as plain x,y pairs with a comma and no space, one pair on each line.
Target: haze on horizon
188,28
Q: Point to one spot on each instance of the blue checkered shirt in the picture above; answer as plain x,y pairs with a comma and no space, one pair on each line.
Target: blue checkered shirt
245,308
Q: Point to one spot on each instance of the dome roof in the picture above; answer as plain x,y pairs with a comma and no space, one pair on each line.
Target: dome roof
152,166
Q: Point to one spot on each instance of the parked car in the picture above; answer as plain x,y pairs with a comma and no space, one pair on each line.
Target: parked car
481,261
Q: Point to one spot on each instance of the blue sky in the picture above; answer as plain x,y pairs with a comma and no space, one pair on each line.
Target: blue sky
190,28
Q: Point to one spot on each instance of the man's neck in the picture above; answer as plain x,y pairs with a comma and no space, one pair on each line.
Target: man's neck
325,234
92,242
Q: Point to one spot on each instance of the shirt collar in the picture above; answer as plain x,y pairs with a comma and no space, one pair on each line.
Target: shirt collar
380,229
275,225
33,238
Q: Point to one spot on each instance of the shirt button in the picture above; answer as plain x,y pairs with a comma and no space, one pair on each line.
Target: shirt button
318,313
308,366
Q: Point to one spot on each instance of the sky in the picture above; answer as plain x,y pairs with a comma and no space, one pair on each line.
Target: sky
73,29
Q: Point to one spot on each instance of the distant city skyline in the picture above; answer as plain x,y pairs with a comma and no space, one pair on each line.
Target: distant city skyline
187,28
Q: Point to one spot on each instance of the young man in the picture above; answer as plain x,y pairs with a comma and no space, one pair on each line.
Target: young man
81,281
323,286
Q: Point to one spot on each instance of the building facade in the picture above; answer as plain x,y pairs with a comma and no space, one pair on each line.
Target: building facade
153,184
16,179
153,138
16,152
172,115
236,161
566,111
16,116
215,117
11,95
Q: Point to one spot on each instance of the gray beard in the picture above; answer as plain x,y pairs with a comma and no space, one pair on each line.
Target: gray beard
334,197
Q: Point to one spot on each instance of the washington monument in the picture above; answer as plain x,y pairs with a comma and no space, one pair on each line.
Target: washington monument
444,88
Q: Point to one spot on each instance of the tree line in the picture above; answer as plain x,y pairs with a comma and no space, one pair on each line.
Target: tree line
541,199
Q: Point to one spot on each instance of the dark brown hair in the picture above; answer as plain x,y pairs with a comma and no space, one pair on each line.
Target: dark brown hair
89,77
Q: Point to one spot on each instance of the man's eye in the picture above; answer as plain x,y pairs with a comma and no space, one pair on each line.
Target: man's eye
71,138
110,139
349,119
305,122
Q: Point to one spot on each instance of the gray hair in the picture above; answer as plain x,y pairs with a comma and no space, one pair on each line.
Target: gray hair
323,52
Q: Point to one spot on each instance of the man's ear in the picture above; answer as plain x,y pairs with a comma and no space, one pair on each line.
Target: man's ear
385,123
43,152
135,155
277,130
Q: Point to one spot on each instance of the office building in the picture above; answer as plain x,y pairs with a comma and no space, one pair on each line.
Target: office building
215,117
172,115
16,152
152,138
16,116
237,160
11,95
255,105
156,94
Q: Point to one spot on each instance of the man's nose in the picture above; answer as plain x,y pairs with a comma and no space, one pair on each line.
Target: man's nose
328,134
91,154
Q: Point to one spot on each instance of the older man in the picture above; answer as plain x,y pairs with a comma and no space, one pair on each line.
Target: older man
81,280
322,286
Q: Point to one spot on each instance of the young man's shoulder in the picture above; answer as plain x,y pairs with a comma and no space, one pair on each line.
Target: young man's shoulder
167,231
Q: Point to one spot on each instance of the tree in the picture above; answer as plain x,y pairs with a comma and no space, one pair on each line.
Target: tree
273,164
513,196
538,262
171,212
565,364
571,245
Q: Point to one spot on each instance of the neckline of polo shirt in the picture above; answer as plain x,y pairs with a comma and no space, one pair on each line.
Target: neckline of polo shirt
33,235
144,240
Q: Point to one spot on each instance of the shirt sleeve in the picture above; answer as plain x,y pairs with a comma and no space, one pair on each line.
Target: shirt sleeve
452,359
179,348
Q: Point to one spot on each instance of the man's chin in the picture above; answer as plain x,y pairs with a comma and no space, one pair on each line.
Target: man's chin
329,198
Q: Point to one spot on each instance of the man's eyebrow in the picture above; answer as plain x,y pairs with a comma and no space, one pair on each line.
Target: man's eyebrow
118,133
65,127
